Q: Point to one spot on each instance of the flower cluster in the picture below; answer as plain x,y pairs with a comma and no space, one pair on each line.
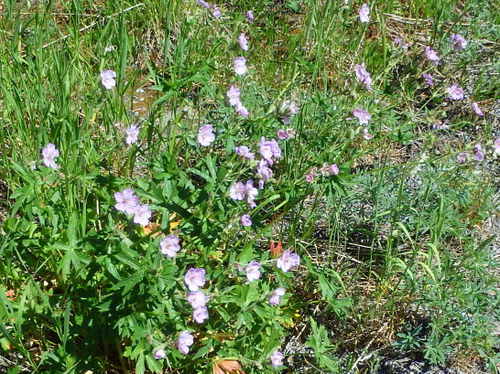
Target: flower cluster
127,202
233,94
195,279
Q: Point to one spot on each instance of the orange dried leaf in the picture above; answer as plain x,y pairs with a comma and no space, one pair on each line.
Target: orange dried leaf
276,249
227,367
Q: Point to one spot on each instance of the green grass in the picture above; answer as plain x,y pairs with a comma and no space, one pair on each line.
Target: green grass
397,250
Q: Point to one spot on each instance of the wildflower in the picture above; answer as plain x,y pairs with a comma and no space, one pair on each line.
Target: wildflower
399,42
169,246
109,48
237,191
126,201
239,65
462,157
332,169
233,94
275,298
364,13
184,341
362,115
241,110
251,193
197,299
367,135
246,220
428,78
195,278
310,177
200,314
478,152
250,16
216,12
288,260
282,134
108,79
455,92
132,134
269,149
289,107
277,359
252,271
204,4
363,76
431,55
142,214
477,109
159,354
206,135
497,146
243,41
244,152
459,42
264,172
49,153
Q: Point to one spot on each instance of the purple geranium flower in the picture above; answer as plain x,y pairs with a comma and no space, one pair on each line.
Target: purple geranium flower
455,92
275,298
332,169
269,149
108,79
216,12
233,94
288,260
49,153
475,107
241,110
478,152
184,341
264,172
497,146
237,191
142,214
431,55
244,152
197,299
200,314
462,157
277,359
246,220
250,16
458,41
251,193
204,4
195,278
239,65
363,76
252,271
362,115
169,246
429,80
364,13
132,134
126,201
243,41
159,354
206,135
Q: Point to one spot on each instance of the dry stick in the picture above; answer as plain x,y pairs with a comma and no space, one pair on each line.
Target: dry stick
93,24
